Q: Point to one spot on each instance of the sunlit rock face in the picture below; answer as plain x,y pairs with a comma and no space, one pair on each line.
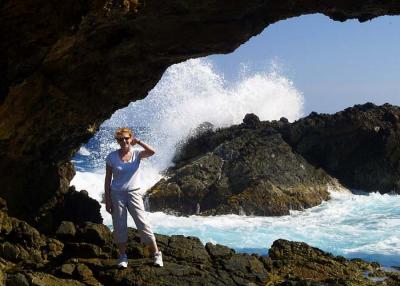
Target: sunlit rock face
66,67
244,169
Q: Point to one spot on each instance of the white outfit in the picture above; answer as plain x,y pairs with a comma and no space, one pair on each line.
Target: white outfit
125,196
132,202
125,175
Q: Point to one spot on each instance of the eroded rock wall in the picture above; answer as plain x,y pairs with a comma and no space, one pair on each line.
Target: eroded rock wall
66,66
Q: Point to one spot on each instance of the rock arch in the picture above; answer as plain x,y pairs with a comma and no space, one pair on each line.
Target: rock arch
66,66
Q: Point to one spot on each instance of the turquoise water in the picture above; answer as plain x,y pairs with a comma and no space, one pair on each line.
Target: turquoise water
365,226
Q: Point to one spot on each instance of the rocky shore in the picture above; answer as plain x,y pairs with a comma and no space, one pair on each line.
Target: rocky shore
84,254
269,168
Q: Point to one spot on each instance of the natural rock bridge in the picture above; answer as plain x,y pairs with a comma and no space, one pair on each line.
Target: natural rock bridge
66,66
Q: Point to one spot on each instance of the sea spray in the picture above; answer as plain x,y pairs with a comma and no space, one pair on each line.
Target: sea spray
188,94
192,92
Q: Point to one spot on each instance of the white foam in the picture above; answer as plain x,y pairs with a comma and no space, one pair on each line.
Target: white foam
345,225
84,151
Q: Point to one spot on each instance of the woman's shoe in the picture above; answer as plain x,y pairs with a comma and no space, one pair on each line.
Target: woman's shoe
158,259
122,261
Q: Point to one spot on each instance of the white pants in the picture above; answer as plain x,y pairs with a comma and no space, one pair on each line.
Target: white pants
132,202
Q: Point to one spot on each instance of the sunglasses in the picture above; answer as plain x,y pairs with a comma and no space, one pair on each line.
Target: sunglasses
120,139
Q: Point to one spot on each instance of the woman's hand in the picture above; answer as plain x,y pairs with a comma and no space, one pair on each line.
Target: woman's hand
135,141
108,205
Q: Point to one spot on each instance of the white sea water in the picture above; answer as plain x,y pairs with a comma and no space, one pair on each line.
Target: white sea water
366,226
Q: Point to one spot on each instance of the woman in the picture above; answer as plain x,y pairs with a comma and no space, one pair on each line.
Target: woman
122,193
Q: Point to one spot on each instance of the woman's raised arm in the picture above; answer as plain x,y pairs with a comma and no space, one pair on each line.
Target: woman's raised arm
148,150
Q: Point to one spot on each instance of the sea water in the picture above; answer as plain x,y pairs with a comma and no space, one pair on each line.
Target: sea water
353,225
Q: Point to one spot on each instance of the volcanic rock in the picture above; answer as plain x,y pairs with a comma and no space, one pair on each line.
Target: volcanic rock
66,230
73,206
244,169
359,145
187,262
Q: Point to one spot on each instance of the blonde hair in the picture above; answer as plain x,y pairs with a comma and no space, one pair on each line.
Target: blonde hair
119,131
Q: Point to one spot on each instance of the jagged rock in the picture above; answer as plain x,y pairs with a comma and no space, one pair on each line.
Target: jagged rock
17,279
25,234
296,259
5,223
95,233
44,279
76,207
359,146
251,120
85,250
67,269
66,230
219,251
239,170
186,249
12,252
244,268
86,275
53,249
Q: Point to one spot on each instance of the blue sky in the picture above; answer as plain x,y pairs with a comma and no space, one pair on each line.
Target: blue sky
335,65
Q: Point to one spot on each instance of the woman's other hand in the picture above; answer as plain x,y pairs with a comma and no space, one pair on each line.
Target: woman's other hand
134,141
108,205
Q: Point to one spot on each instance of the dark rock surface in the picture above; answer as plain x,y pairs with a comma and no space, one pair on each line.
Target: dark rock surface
245,169
66,67
268,168
72,206
30,258
360,145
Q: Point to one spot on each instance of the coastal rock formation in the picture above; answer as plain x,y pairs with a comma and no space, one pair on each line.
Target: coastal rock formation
83,254
244,169
65,67
268,168
360,145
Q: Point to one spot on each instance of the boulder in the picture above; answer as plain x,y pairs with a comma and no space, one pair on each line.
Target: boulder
45,279
66,230
76,207
95,233
17,279
300,261
85,250
245,169
67,269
